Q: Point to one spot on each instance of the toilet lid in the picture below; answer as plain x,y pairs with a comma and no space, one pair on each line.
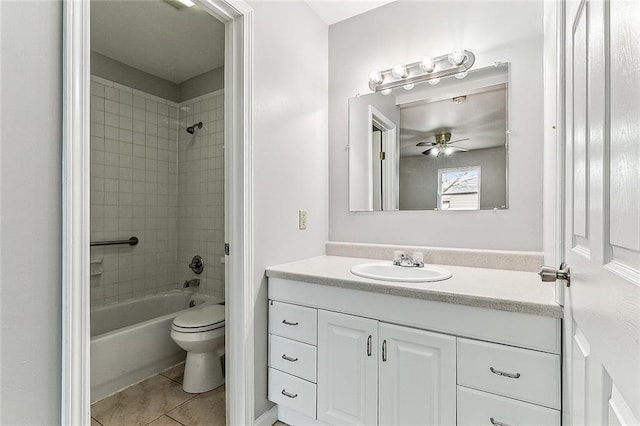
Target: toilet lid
201,317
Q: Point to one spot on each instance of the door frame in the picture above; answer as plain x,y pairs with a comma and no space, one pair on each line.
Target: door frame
239,289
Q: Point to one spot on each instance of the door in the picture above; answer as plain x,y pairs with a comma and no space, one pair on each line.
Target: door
417,377
347,369
601,215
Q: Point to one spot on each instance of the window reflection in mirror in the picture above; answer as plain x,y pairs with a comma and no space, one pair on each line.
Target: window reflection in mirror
458,125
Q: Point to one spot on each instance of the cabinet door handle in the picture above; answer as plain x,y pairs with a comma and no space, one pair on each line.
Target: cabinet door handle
502,373
369,345
497,423
288,358
289,323
290,395
384,350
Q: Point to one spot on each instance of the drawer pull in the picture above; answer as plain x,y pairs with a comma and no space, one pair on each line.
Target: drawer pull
502,373
289,395
289,323
384,351
497,423
287,358
369,345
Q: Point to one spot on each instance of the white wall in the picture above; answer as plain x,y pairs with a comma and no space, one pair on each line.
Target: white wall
290,148
403,32
31,213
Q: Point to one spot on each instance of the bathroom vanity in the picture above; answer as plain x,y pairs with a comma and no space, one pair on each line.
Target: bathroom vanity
483,347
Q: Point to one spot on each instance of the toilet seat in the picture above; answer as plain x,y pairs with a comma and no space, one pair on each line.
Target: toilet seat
199,320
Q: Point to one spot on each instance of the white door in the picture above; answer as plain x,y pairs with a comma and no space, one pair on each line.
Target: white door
602,211
417,372
347,369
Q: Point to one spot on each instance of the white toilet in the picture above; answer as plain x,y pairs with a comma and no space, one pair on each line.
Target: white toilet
200,332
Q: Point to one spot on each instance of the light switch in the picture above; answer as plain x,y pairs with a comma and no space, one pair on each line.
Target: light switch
302,219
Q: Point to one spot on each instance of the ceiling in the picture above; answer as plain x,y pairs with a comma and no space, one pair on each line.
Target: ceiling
332,11
154,37
482,118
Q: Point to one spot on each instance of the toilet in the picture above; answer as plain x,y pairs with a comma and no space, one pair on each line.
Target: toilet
200,332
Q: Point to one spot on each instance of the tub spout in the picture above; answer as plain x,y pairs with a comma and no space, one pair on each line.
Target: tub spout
192,283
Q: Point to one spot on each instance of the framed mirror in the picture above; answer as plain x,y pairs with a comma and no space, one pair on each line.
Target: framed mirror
435,147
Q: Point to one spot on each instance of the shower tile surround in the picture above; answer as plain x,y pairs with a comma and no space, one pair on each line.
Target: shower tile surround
140,163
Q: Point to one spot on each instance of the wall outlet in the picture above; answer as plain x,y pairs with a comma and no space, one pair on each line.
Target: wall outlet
302,219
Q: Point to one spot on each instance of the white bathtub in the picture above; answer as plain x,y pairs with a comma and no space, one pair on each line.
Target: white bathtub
131,340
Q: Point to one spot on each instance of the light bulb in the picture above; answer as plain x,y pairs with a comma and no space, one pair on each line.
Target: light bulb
408,86
448,150
187,3
456,57
385,91
435,151
399,71
375,77
434,81
427,64
461,75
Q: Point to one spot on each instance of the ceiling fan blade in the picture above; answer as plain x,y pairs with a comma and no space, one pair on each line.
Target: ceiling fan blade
427,152
458,149
459,140
425,143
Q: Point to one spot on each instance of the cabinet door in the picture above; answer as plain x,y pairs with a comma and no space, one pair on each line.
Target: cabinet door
347,369
417,377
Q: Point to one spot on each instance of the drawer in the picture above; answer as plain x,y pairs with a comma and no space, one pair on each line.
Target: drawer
293,357
292,392
293,321
479,408
513,372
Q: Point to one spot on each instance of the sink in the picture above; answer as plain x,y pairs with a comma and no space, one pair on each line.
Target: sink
387,271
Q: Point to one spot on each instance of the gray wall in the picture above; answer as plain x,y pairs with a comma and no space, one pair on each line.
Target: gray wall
403,32
207,82
419,177
105,67
30,214
289,149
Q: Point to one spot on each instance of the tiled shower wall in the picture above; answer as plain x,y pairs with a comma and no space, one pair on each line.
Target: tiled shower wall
201,190
134,192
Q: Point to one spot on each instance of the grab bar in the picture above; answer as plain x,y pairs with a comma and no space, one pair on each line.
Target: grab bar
131,241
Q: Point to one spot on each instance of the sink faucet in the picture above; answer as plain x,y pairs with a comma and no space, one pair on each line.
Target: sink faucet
192,283
407,261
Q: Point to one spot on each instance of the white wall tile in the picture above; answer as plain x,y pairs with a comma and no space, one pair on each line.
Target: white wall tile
143,166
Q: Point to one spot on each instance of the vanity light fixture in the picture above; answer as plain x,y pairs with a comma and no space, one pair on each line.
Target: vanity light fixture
456,63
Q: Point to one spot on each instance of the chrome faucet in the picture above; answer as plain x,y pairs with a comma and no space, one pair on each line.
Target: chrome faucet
408,262
192,283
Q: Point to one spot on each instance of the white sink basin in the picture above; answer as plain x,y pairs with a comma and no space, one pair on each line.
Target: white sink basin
387,271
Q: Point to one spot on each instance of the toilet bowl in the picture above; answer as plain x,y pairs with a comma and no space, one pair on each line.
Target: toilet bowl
200,332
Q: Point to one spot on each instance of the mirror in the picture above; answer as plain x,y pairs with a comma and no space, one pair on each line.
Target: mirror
435,147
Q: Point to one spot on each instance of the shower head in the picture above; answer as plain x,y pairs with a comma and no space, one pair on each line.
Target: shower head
192,129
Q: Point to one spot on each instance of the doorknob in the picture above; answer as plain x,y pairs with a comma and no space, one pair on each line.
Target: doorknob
550,274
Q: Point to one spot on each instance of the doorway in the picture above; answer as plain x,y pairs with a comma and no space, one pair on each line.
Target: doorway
77,268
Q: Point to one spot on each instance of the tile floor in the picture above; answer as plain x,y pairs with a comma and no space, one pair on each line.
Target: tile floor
160,401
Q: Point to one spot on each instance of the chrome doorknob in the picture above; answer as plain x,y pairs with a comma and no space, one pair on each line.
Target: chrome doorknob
550,274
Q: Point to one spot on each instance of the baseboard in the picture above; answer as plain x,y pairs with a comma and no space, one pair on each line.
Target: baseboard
268,418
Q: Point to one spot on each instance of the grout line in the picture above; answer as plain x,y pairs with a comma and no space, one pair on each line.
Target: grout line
167,414
95,420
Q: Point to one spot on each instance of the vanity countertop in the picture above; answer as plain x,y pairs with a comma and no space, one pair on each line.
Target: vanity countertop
505,290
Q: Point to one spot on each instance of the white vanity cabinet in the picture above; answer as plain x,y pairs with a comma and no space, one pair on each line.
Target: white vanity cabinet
382,359
417,383
347,369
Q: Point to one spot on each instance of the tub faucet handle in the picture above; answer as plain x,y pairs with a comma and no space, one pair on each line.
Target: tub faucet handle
197,264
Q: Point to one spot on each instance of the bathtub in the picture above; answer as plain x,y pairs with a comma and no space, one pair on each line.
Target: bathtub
131,341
